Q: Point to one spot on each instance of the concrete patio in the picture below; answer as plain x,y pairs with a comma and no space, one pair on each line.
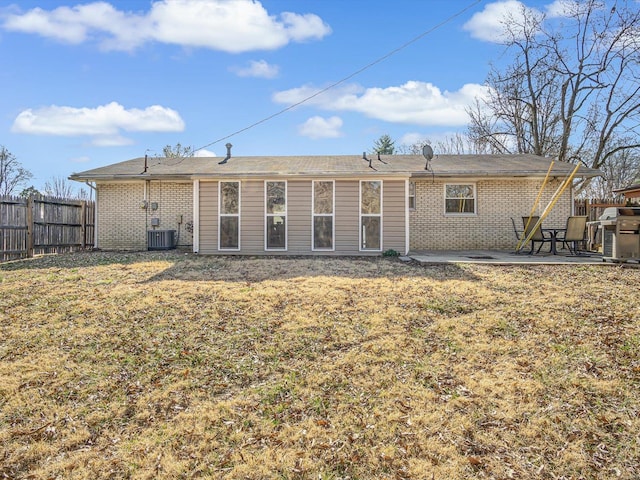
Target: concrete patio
508,258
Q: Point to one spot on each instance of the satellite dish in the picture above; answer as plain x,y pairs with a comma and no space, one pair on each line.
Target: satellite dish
427,151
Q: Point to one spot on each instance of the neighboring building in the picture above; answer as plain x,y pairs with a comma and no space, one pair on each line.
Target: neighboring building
630,192
324,205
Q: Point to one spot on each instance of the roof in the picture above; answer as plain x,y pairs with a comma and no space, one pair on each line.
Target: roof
629,191
444,166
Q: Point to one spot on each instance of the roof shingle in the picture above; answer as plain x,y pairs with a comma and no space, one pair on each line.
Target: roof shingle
332,165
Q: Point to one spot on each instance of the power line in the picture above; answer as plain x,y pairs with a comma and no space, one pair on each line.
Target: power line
348,77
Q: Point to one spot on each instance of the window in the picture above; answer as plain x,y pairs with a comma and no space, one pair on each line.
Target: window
229,216
460,199
323,215
370,215
412,195
276,215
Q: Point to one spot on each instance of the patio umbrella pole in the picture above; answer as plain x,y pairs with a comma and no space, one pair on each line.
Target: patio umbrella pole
556,196
535,203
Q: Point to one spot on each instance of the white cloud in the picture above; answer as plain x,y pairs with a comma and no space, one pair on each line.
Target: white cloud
414,102
111,141
413,138
204,153
319,127
83,159
561,8
104,123
260,69
501,21
231,26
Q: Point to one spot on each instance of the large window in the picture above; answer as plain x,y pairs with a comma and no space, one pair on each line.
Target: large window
460,199
276,215
323,215
370,215
229,216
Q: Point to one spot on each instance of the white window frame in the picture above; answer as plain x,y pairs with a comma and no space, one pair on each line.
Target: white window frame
361,216
475,200
220,215
411,195
314,215
285,215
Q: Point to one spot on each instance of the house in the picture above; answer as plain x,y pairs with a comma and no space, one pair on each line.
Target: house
630,192
324,205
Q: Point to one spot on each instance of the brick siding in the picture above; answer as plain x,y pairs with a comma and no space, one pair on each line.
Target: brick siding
491,229
123,223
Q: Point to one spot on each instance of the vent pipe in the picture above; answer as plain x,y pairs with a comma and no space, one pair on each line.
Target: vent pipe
226,159
364,157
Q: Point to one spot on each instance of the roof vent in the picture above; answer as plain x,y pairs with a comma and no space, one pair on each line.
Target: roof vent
226,159
364,157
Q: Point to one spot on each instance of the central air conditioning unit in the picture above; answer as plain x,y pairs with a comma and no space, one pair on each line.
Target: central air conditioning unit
161,239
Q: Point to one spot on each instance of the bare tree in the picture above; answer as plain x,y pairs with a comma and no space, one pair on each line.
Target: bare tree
572,90
618,171
178,151
60,187
459,143
12,174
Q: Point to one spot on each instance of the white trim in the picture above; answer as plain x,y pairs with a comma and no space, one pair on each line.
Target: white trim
332,215
408,187
379,215
461,214
196,216
96,223
285,215
220,215
407,231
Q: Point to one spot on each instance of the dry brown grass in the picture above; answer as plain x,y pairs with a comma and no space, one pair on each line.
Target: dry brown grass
164,365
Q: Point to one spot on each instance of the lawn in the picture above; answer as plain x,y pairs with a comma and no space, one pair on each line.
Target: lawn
166,365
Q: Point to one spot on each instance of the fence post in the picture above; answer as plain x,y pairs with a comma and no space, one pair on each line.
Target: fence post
30,227
83,228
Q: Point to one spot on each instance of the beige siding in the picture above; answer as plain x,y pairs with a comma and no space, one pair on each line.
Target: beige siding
394,220
123,223
347,217
252,217
491,228
299,218
208,217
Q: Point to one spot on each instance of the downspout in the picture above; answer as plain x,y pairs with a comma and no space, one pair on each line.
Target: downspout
95,213
196,216
407,231
146,195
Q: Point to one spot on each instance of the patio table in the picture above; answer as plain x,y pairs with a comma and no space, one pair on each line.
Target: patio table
554,237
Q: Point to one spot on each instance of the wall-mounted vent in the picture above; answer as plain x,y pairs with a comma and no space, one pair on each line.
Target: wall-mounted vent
161,239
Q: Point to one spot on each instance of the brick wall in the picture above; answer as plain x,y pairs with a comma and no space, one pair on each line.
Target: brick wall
123,224
491,228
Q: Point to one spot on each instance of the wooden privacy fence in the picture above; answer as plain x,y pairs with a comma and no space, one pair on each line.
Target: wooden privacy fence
594,207
39,225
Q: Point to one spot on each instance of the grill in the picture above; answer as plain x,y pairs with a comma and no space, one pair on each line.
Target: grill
620,233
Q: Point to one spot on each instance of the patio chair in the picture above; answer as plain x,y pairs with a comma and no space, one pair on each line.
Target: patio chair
515,230
539,235
574,233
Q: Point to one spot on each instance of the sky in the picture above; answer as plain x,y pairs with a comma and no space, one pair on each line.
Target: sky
90,83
